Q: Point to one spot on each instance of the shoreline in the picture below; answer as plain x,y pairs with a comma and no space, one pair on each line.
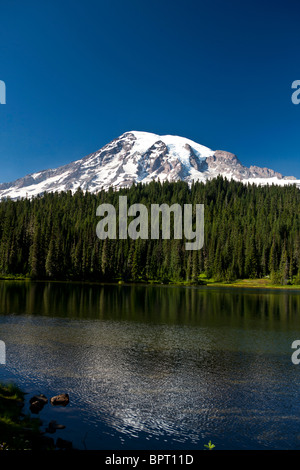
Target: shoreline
254,284
239,283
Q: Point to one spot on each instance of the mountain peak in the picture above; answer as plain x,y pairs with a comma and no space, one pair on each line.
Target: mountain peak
139,156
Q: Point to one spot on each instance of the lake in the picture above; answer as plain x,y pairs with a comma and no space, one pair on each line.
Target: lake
157,367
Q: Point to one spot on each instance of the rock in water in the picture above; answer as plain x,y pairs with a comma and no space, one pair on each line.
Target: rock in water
53,426
37,403
62,399
41,398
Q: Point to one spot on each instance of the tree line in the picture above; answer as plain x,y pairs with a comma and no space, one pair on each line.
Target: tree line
249,232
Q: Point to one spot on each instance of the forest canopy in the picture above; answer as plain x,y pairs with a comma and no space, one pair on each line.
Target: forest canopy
249,232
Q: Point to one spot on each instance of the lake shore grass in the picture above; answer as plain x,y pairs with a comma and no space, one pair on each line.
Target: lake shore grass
17,430
264,283
259,283
253,283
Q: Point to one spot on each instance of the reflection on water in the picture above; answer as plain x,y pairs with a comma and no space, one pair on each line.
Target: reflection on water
158,367
161,304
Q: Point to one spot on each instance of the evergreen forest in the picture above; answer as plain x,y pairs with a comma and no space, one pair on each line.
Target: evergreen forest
250,232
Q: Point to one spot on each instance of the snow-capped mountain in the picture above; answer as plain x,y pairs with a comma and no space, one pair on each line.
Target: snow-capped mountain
142,157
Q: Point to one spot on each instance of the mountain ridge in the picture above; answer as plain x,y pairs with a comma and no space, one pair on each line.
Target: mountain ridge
138,156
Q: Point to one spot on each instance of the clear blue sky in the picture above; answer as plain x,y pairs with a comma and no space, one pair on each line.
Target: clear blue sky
80,73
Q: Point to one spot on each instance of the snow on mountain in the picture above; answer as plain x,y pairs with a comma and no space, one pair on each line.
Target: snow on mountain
142,157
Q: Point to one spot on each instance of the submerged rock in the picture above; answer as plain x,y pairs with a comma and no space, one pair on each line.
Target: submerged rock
53,426
37,403
40,398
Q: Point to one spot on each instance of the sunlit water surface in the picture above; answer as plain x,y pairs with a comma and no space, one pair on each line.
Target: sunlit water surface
157,367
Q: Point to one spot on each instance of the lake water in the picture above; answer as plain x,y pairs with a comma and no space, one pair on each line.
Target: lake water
157,367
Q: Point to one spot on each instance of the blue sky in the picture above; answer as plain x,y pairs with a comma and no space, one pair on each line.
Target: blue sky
80,73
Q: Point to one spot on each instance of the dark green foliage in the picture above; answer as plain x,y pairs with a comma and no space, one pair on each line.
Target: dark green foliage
250,232
17,430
